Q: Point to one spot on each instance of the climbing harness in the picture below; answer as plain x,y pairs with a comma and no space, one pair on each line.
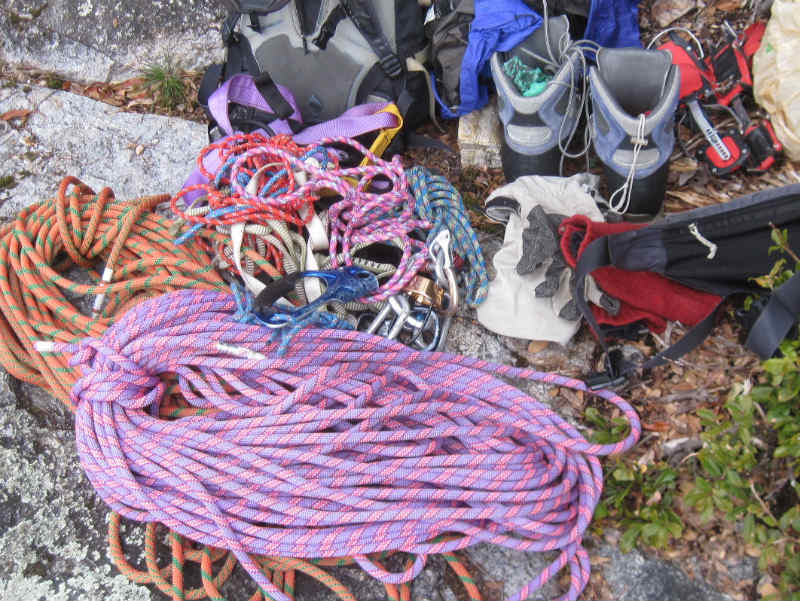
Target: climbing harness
351,444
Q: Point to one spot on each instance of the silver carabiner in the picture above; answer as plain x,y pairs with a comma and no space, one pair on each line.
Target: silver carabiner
442,257
418,324
400,305
378,320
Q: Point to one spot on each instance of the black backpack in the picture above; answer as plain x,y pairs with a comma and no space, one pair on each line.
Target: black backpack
331,54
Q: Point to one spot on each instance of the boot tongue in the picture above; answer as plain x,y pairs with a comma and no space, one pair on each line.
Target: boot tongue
536,44
635,77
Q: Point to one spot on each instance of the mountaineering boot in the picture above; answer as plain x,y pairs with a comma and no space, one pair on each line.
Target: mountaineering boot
634,95
534,124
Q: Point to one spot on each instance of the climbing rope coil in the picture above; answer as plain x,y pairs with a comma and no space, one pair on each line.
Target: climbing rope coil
263,180
350,444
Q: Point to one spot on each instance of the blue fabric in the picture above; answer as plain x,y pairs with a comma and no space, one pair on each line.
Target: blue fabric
614,23
498,26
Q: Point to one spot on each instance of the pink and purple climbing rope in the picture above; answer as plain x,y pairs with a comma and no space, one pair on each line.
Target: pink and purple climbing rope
349,444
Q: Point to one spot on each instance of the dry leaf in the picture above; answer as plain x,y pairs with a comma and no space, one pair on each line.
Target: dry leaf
537,346
656,498
766,588
21,114
657,426
728,5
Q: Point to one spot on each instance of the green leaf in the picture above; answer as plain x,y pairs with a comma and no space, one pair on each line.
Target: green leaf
733,477
629,537
624,474
675,529
749,528
711,465
707,415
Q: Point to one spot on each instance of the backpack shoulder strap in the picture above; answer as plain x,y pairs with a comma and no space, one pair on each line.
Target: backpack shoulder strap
362,13
777,318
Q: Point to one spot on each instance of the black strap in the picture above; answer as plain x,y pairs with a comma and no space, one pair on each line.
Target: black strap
689,341
273,96
415,140
363,16
777,318
329,26
212,79
597,255
594,256
228,30
276,289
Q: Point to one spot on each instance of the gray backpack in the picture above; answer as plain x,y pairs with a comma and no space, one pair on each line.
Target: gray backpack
332,54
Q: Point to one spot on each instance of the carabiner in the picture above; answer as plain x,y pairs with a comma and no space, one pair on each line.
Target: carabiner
441,254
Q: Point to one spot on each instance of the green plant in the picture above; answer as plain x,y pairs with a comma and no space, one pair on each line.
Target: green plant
749,462
166,83
605,430
638,499
54,83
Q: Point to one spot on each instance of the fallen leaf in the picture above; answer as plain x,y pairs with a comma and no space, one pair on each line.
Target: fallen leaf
657,426
21,114
537,346
766,588
656,498
666,11
728,5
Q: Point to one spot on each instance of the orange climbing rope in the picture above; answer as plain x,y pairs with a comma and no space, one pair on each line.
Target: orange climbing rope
127,250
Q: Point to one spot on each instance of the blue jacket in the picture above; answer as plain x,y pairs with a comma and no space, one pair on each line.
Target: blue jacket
614,23
498,26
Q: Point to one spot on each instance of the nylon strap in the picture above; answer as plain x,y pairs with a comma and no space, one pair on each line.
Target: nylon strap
361,12
597,255
777,318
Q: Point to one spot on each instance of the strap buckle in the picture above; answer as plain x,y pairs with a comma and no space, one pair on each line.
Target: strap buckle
613,376
391,65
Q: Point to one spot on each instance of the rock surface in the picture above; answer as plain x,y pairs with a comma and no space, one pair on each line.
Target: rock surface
479,138
94,40
66,134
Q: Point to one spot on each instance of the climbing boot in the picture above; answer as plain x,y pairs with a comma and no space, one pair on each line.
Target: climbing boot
634,95
534,124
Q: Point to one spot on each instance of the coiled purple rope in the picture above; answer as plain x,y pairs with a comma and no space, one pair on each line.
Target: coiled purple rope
350,444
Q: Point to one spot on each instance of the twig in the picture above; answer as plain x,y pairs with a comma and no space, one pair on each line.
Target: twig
761,502
785,247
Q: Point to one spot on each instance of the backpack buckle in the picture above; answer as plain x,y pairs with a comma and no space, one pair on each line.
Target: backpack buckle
391,65
613,377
